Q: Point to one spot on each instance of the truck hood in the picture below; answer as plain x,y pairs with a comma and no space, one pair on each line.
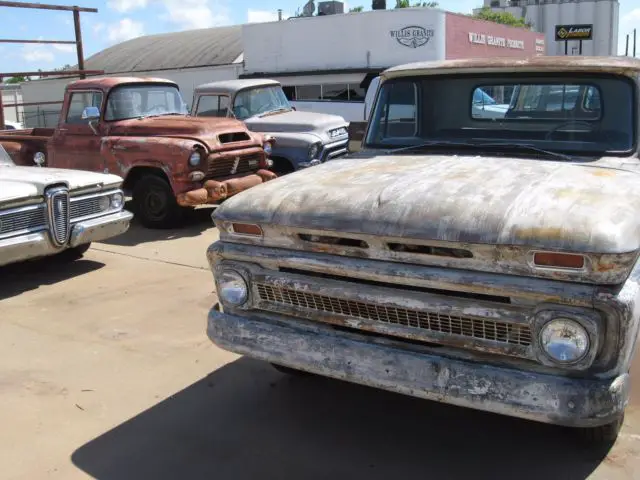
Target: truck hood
204,129
294,121
556,205
17,183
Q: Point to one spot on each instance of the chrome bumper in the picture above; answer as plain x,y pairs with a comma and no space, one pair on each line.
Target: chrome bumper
352,357
33,245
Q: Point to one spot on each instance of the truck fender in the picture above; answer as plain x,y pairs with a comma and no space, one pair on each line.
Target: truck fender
136,172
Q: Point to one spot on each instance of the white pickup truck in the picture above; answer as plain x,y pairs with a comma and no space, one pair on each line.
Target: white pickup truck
49,211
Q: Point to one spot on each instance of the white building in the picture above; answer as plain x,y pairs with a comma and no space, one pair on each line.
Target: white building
11,96
325,63
545,15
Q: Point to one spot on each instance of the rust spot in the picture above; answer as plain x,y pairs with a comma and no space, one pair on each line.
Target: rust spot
604,173
550,233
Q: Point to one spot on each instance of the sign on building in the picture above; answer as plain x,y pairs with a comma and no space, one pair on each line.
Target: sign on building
574,32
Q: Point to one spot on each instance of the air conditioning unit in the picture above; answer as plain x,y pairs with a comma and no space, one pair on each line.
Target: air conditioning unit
330,8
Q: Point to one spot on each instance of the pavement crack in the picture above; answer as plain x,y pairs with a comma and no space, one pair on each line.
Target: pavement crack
157,260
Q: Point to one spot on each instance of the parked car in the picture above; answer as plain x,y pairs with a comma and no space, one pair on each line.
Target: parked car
303,139
12,125
139,129
490,265
56,212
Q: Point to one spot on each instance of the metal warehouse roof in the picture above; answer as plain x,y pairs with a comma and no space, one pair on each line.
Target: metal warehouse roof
193,48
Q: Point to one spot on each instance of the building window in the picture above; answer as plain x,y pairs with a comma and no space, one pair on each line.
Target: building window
309,92
330,92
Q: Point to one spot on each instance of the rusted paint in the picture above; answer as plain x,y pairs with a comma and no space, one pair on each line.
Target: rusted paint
214,191
164,143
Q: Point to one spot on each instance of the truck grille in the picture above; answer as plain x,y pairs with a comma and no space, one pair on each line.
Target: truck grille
223,167
58,208
23,219
470,327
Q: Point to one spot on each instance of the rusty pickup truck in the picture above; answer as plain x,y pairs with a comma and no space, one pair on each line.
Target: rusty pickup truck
140,129
489,262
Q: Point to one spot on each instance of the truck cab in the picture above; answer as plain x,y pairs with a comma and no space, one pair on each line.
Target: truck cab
141,130
302,139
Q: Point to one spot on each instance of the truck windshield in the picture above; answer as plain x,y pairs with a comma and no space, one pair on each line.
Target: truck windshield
259,101
588,114
135,101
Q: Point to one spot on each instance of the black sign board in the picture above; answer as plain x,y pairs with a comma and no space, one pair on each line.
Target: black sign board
574,32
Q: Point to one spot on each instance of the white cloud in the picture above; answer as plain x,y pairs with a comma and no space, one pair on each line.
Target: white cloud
124,6
34,53
627,23
190,14
260,16
99,27
65,48
125,29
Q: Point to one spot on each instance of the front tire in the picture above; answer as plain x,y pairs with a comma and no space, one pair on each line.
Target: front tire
156,205
604,434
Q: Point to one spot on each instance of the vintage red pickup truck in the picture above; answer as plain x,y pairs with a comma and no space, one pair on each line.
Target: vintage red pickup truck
139,129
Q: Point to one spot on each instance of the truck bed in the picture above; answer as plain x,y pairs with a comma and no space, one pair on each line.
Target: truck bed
21,145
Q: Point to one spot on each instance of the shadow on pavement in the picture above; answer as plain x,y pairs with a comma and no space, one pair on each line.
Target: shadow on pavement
22,277
196,222
247,421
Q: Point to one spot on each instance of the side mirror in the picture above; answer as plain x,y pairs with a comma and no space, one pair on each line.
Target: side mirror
91,113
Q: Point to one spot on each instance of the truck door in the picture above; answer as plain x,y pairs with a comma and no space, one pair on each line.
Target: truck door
75,145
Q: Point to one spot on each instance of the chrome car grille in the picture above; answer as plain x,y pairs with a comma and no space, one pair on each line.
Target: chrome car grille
58,215
461,326
23,219
224,167
84,207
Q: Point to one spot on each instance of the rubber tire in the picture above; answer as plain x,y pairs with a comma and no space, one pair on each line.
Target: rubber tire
171,216
282,167
290,371
73,254
602,435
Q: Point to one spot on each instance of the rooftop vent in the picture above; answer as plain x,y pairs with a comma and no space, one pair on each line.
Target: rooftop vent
330,8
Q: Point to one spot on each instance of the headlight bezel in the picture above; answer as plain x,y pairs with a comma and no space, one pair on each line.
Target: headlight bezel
117,200
242,274
590,321
314,150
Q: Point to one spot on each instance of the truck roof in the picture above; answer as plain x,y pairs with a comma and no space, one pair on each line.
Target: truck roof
106,83
231,86
622,65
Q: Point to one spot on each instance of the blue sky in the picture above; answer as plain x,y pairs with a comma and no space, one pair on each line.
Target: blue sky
119,20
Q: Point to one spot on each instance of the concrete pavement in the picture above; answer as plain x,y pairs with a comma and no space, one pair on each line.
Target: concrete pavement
107,373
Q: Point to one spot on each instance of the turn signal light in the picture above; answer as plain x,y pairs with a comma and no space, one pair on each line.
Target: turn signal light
247,229
559,260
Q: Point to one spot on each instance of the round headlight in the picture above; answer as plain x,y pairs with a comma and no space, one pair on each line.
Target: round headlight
232,289
194,159
313,151
104,203
117,201
564,340
268,148
39,158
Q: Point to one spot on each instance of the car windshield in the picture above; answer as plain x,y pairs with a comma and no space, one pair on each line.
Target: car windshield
574,114
136,101
260,101
5,159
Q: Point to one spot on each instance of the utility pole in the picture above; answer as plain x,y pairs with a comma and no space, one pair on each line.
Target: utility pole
634,43
626,50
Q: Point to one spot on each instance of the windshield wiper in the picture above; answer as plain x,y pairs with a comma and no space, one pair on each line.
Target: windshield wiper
512,146
160,115
272,112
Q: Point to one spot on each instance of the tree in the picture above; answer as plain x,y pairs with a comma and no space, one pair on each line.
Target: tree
19,79
505,18
356,9
407,4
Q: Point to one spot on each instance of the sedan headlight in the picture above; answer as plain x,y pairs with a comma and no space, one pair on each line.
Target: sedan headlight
313,150
194,159
232,288
564,340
